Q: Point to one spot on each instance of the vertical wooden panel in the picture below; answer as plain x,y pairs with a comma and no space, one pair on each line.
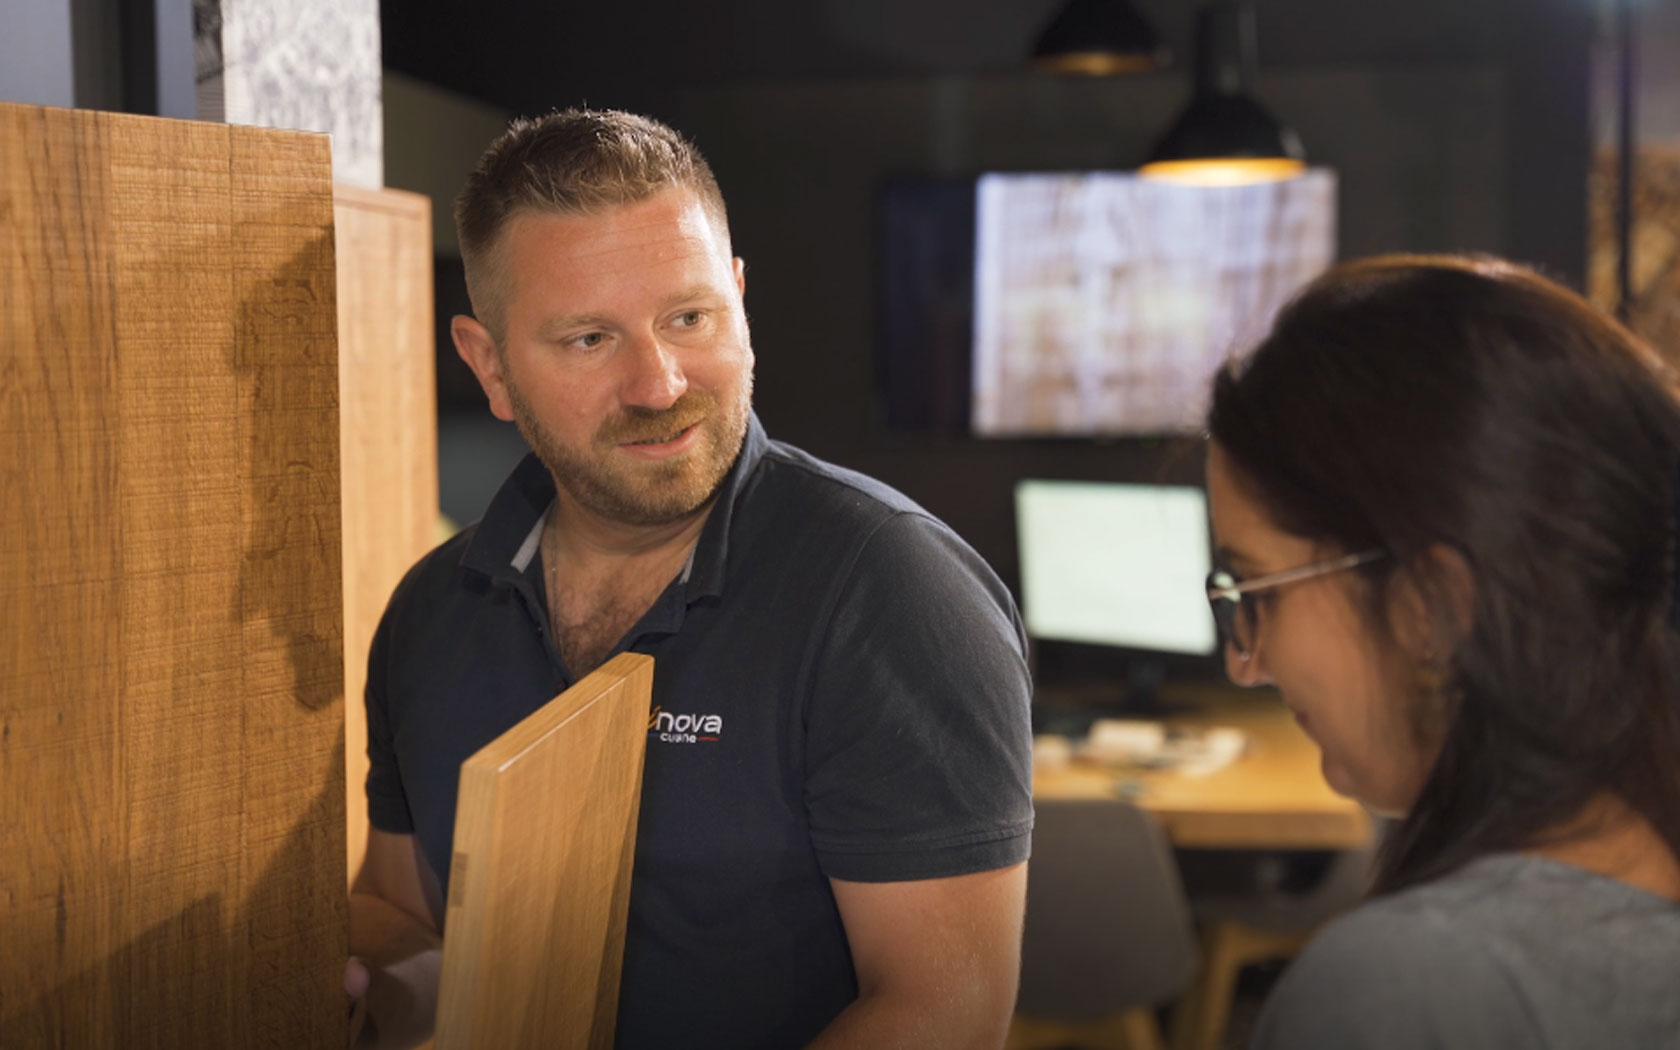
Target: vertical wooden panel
388,433
60,763
171,853
539,886
177,499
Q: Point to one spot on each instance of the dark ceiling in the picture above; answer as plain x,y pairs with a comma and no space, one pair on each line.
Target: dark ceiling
527,56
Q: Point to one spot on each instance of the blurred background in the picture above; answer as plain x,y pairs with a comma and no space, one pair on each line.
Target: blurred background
852,139
960,282
1449,126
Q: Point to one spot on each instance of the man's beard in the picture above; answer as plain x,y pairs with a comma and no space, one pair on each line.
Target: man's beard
632,492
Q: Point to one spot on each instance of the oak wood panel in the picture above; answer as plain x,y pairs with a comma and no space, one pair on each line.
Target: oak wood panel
388,434
171,846
1272,797
545,834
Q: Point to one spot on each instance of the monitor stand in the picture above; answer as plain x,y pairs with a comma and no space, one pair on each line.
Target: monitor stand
1142,698
1071,712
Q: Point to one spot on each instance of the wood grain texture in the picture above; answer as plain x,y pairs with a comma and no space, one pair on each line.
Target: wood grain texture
1272,797
171,847
545,834
387,434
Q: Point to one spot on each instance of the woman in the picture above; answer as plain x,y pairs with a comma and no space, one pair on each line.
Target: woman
1444,495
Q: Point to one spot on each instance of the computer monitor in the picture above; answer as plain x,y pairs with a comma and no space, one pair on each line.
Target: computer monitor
1118,565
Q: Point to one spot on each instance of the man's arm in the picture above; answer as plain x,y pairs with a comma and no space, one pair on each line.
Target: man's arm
938,961
396,950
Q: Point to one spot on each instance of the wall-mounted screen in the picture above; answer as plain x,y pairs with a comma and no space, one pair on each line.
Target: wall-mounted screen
1083,304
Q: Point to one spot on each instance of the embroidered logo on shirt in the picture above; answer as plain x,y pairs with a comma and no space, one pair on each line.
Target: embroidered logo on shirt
684,729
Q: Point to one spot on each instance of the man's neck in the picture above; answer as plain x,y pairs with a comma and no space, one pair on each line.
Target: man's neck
603,576
579,542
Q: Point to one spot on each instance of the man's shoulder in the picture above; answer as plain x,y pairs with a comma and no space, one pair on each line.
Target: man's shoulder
438,571
850,530
812,483
830,518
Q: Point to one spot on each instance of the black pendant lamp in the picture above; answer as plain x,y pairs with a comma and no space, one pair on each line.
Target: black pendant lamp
1225,136
1098,38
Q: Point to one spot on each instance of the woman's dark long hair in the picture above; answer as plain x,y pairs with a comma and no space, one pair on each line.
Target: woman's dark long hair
1405,402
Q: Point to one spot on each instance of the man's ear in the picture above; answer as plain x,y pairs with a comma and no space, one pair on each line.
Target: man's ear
478,349
740,266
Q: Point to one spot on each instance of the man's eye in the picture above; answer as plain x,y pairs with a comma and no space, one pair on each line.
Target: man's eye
688,319
589,340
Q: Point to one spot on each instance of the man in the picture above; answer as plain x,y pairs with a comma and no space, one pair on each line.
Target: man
838,861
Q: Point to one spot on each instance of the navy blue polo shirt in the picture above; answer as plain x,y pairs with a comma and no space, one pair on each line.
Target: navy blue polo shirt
839,691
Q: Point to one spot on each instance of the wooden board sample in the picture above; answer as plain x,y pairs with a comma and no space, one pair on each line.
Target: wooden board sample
539,887
387,404
171,667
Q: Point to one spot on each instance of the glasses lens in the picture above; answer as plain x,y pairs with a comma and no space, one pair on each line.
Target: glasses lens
1236,624
1229,614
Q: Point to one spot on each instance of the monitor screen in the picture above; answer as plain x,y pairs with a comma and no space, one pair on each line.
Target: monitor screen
1114,564
1082,304
1104,302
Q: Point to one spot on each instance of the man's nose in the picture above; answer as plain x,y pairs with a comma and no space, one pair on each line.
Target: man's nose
656,378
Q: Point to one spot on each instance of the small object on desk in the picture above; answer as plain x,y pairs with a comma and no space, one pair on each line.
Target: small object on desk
1125,740
1215,748
1187,751
1052,751
1130,788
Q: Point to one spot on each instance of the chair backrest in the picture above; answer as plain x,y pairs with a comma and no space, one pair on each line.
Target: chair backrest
1343,883
1107,925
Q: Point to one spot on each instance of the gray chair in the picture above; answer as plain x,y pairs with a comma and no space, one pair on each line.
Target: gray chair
1108,931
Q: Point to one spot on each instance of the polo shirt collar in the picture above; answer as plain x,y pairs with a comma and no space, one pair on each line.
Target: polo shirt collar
504,545
710,558
508,523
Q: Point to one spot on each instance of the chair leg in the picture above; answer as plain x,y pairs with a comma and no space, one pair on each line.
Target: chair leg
1198,1023
1134,1029
1202,1014
1141,1030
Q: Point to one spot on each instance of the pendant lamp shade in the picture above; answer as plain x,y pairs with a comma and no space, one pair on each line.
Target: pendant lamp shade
1098,38
1225,136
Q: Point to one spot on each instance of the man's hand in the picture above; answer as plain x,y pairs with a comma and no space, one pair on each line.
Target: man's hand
938,962
394,989
396,957
356,977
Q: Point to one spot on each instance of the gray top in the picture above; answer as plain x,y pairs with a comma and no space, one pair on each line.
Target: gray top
1509,951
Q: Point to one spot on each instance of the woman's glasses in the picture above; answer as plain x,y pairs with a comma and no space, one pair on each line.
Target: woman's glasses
1239,620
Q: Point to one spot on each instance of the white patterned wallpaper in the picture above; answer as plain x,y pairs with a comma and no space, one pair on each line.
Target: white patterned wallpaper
307,64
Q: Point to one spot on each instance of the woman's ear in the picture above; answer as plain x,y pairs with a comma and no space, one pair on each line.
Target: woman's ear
1431,602
1453,586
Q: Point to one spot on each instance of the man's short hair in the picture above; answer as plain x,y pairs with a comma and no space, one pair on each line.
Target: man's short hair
569,162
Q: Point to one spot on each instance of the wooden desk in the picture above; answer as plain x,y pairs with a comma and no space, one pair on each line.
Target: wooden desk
1273,797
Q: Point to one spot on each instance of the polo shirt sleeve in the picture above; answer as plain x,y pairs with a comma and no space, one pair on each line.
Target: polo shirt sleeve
918,736
387,802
